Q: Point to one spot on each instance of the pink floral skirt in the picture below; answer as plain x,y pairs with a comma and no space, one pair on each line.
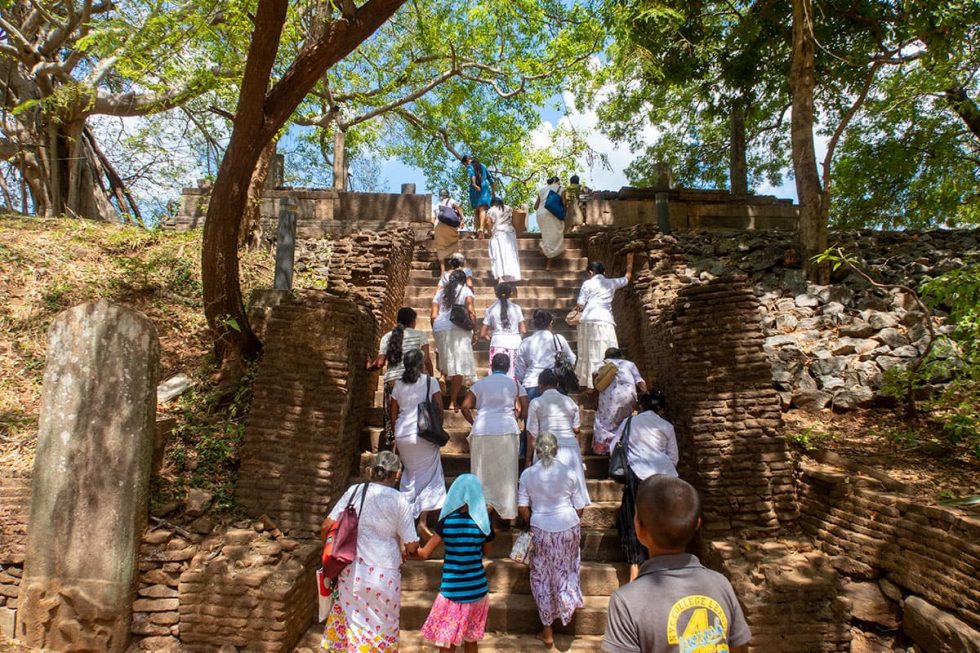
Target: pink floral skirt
511,354
450,624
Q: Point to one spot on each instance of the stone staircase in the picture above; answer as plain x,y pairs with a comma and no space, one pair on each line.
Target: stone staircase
513,618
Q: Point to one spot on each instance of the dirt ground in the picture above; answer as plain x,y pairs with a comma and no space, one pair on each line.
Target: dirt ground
914,453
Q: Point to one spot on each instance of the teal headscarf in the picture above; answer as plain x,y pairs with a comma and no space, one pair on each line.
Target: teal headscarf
467,491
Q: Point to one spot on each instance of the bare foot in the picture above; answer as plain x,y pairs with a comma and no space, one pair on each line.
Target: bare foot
547,640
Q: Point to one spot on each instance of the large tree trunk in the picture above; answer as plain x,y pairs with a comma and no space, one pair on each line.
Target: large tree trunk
261,113
965,108
738,166
251,234
802,79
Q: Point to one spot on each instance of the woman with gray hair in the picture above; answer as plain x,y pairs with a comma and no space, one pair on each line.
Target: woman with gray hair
550,499
365,613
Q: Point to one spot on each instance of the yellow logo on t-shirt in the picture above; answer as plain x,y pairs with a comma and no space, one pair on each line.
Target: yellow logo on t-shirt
704,622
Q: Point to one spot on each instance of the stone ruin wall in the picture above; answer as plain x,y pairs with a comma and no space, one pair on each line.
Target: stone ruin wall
702,346
15,505
908,565
320,212
837,549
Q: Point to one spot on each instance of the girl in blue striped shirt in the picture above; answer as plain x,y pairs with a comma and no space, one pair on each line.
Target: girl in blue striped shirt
459,614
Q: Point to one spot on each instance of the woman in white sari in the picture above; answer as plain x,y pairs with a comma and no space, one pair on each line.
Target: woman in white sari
597,328
552,228
503,244
423,482
365,614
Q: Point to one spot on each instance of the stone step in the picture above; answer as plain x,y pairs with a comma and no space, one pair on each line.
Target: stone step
597,578
481,262
511,613
422,299
522,296
430,276
411,642
598,545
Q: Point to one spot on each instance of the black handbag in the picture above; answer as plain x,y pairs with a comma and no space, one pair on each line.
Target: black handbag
430,420
618,462
459,316
564,370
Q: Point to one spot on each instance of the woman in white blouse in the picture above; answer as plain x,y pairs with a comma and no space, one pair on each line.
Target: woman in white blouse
503,325
552,228
550,500
422,482
453,343
597,328
495,438
537,352
651,449
504,260
559,415
365,614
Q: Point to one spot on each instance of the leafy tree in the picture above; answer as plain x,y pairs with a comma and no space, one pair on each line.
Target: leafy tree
261,113
62,63
456,76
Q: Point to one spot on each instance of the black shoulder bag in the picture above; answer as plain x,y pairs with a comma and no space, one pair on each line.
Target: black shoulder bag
564,370
458,314
618,462
430,419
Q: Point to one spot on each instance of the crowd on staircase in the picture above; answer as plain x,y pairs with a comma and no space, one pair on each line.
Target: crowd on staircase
526,463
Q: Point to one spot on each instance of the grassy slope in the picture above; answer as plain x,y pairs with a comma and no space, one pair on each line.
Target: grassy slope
47,266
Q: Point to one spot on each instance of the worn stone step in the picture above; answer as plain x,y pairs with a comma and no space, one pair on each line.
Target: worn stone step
604,490
481,262
481,303
511,613
597,578
522,295
572,278
411,642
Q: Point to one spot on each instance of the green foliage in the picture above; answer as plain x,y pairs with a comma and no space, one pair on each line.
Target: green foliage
457,77
811,439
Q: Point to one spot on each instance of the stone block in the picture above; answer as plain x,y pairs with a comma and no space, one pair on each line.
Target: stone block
7,619
98,404
868,603
937,631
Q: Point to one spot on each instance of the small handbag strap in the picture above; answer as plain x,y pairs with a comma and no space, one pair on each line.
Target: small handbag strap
350,504
626,435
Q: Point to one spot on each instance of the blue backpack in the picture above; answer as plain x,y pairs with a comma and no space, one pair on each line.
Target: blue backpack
555,205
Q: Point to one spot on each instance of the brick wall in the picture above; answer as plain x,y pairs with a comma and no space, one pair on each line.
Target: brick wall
15,507
929,551
308,405
703,346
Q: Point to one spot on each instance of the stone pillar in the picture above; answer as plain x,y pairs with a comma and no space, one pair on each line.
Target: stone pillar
285,244
90,481
408,189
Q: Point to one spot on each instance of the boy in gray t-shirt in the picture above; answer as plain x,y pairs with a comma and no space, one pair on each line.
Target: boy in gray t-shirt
675,605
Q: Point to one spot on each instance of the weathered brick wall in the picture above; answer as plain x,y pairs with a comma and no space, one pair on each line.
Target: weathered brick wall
929,551
308,405
15,507
702,345
248,590
163,557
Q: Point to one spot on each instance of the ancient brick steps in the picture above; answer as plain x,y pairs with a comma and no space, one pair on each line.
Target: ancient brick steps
563,279
511,613
412,642
523,295
598,578
598,544
480,263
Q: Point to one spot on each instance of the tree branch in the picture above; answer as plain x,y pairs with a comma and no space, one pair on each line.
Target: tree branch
845,120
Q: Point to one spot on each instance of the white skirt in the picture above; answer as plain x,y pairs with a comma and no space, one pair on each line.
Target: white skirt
552,233
493,459
503,256
594,338
423,483
455,349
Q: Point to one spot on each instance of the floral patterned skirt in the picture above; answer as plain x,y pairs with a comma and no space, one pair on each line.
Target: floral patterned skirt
449,624
365,615
555,562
